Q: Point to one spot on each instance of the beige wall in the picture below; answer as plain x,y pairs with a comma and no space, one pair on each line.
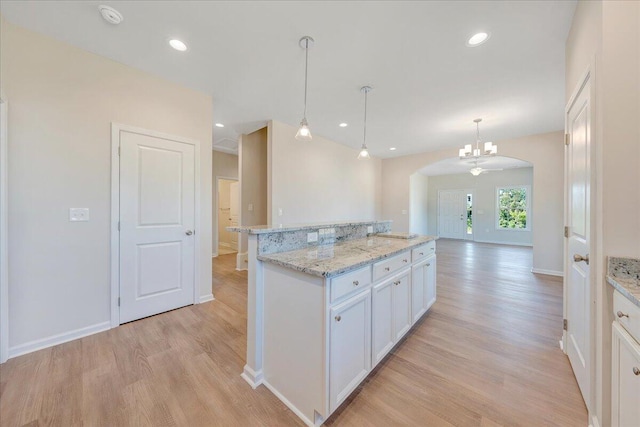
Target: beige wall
226,166
483,188
419,203
62,102
545,152
320,180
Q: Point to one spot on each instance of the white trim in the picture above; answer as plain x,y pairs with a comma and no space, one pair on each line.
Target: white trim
214,255
496,242
252,377
206,298
594,422
547,272
289,405
116,128
35,345
242,261
4,229
561,344
497,206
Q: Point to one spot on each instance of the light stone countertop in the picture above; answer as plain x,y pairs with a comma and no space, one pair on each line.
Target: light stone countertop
275,228
334,259
624,275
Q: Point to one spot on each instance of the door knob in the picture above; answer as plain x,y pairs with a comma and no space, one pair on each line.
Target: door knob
578,258
621,314
636,371
188,232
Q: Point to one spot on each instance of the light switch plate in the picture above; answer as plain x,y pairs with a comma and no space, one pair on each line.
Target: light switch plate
404,211
78,214
370,229
279,211
250,207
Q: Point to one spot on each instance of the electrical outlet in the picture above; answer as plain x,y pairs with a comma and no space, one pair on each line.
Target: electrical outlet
332,231
321,232
370,229
312,237
279,211
78,214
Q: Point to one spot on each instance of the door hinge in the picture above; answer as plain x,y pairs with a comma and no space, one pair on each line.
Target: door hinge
566,231
564,324
118,150
567,139
118,301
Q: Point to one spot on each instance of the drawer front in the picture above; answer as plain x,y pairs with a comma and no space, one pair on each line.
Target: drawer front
350,283
423,251
627,313
389,266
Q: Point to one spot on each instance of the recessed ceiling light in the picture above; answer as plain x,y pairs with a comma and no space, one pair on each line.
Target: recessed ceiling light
392,149
178,45
110,15
343,125
219,125
477,39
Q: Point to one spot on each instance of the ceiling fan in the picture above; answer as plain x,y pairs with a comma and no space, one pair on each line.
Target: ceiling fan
476,170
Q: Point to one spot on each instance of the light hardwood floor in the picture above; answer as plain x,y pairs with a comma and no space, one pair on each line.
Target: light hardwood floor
486,354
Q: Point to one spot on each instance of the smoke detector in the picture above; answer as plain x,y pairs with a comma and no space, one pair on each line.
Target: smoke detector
110,15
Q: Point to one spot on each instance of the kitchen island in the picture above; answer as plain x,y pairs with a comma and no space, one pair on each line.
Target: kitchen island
326,310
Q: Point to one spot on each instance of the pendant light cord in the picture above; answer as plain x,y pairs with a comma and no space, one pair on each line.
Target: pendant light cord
306,67
364,136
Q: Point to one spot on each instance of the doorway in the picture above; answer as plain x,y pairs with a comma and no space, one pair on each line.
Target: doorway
455,214
228,191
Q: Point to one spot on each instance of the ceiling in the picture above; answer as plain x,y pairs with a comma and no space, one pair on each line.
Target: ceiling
428,86
455,165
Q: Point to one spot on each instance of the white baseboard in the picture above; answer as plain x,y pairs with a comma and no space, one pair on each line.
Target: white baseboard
214,255
252,377
561,346
35,345
594,422
547,272
290,405
493,242
206,298
242,261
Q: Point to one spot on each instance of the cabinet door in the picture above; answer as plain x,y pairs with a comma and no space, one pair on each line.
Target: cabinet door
418,280
625,379
401,305
383,337
350,346
430,283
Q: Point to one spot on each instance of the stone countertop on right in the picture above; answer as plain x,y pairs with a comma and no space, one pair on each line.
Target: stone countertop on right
624,275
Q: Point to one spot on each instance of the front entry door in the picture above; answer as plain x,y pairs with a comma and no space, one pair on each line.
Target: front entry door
157,217
452,214
578,290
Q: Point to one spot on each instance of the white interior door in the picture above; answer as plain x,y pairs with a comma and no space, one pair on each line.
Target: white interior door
452,213
577,280
234,209
157,218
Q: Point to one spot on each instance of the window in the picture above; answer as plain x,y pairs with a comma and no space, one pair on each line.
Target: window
513,208
469,214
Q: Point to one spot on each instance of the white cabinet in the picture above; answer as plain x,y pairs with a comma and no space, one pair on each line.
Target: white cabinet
350,346
625,385
391,313
423,287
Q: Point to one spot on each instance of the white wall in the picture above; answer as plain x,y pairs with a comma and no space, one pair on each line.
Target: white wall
223,165
545,152
320,180
62,101
419,204
484,200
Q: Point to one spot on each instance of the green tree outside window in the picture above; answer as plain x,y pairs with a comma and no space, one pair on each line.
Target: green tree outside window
512,208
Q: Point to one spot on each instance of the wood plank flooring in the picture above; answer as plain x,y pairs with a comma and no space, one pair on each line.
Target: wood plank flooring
485,355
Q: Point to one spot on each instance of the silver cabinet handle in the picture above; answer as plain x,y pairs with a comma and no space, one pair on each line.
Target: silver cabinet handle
421,253
188,232
338,318
356,283
578,258
428,265
404,260
386,269
636,371
397,282
621,314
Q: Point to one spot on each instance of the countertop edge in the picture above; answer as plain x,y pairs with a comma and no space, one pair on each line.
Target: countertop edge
296,227
623,290
333,273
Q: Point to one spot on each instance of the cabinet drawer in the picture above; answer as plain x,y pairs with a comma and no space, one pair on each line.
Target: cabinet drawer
350,282
390,265
627,313
423,251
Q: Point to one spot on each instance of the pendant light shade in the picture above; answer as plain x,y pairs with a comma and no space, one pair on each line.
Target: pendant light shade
304,133
364,151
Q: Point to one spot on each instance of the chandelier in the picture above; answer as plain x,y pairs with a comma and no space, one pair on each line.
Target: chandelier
468,152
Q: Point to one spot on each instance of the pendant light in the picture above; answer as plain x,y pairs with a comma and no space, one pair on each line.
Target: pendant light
468,152
304,133
364,151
